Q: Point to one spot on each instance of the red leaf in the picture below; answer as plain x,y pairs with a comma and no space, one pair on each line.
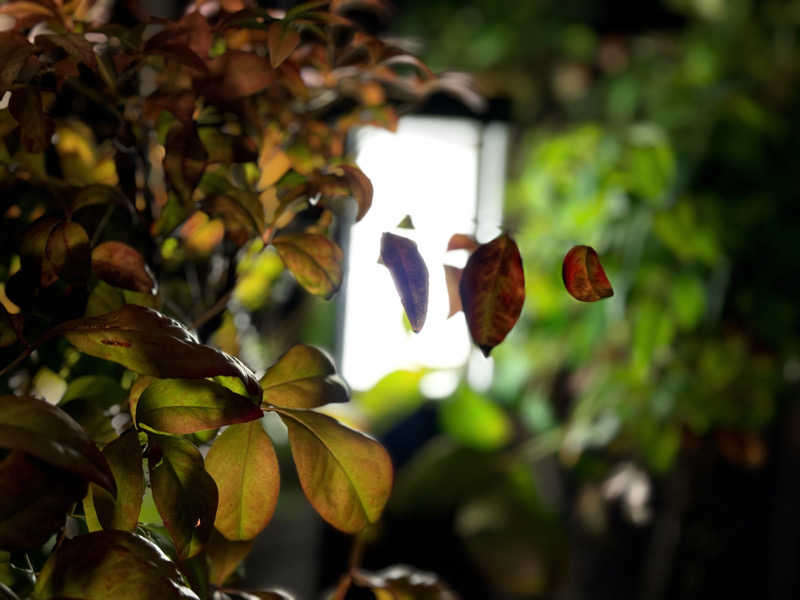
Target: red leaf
492,291
410,275
583,275
122,266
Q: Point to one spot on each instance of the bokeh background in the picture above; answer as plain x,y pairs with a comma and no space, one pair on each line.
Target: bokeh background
646,446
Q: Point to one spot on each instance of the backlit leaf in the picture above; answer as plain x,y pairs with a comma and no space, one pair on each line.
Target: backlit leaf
360,187
47,432
584,276
110,564
410,275
401,582
282,41
304,377
273,162
462,241
452,277
224,556
185,406
123,266
243,464
492,291
35,500
346,475
314,260
150,343
475,421
124,456
68,251
185,494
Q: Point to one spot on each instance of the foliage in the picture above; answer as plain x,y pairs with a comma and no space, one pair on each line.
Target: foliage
157,177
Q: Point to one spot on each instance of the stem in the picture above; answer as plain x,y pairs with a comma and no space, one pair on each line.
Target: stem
212,312
17,361
102,225
343,587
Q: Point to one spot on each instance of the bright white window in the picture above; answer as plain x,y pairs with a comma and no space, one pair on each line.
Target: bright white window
447,175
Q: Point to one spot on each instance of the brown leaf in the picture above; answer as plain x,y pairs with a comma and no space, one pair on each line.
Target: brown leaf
14,51
36,127
68,252
584,276
410,275
462,241
360,187
185,160
282,41
492,291
452,276
73,44
122,266
238,74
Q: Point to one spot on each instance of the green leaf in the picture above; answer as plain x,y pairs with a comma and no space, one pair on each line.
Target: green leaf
345,474
492,290
243,464
150,343
35,500
224,556
304,377
110,564
124,456
47,432
475,421
185,494
584,276
402,582
122,266
410,275
314,260
185,406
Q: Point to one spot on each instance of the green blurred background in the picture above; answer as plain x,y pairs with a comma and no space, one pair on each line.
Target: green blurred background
647,446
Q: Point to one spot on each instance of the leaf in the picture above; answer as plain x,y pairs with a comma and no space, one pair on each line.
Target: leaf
35,127
345,474
314,260
410,275
14,52
238,74
492,291
282,41
406,223
475,421
224,556
185,406
462,241
401,582
73,44
304,377
273,162
150,343
452,277
122,266
184,493
124,456
47,432
360,187
244,466
185,160
35,500
68,251
110,564
584,276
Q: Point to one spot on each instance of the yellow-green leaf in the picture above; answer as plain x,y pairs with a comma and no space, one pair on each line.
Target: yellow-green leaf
304,377
185,406
345,474
124,456
223,556
314,260
242,462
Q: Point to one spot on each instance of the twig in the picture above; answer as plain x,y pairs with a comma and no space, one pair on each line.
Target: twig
212,312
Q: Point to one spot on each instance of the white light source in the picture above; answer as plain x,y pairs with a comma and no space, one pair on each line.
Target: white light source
431,170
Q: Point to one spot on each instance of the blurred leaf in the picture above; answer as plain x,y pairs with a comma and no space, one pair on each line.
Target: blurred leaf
14,52
73,44
47,432
185,160
35,500
150,343
124,267
243,464
110,564
304,377
410,275
452,277
237,74
584,276
361,188
492,291
185,494
345,474
273,162
314,260
185,406
401,582
395,395
36,127
224,556
461,241
475,421
124,456
282,41
68,251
